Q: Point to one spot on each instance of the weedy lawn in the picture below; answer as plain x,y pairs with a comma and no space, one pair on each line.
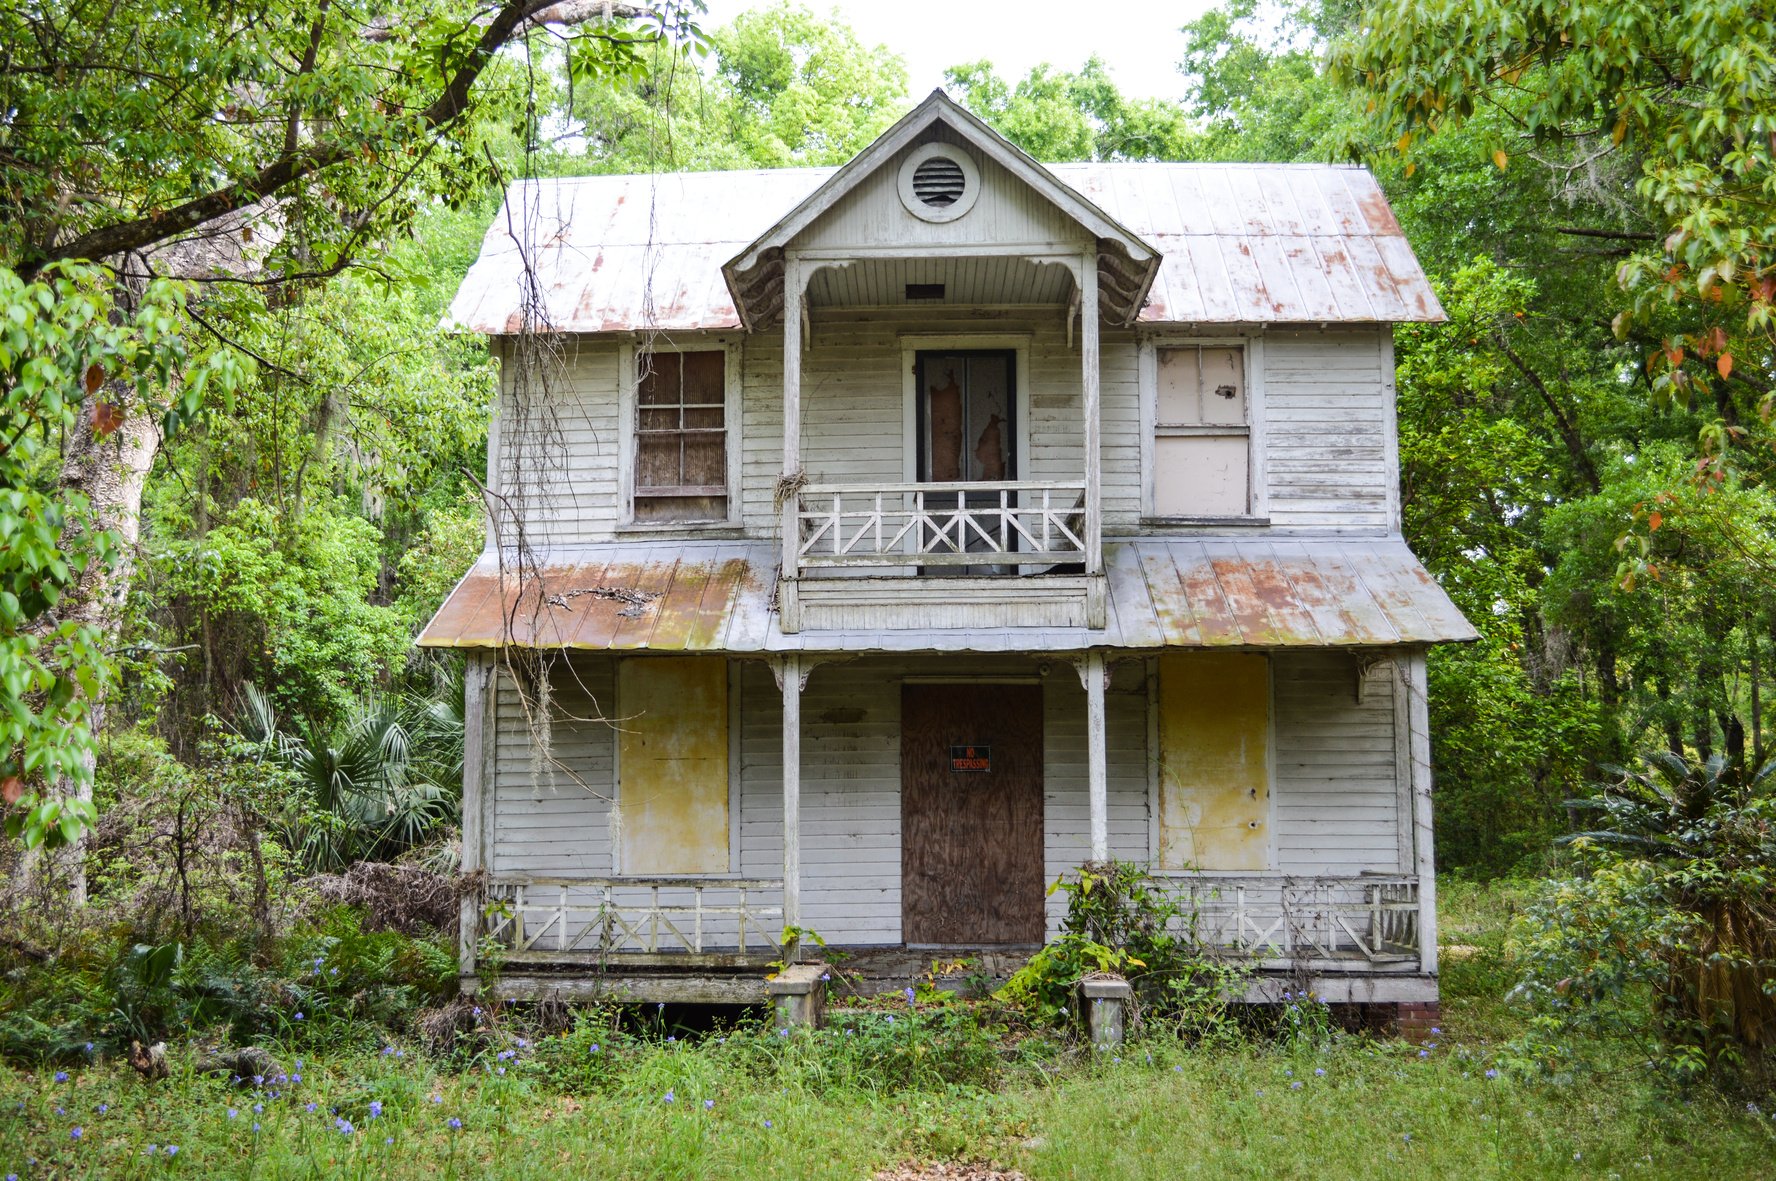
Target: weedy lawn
923,1083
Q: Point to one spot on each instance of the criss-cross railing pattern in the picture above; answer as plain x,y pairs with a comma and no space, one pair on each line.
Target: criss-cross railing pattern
952,524
551,917
1374,919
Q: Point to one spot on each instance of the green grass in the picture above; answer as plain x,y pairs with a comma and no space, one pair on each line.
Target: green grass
841,1105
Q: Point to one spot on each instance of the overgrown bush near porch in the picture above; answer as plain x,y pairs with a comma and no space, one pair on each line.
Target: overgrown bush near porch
1120,923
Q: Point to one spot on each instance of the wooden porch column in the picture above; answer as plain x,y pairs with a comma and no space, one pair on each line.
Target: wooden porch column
790,680
478,701
1097,776
1418,712
788,599
1088,363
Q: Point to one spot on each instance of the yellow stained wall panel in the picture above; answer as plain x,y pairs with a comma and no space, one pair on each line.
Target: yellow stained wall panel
672,764
1214,770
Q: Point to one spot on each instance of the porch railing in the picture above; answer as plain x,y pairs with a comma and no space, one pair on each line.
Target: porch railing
1371,920
547,918
950,524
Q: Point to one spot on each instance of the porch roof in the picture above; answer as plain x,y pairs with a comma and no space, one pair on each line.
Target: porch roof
1189,592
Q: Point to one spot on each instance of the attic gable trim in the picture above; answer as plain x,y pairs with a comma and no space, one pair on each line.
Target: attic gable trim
996,147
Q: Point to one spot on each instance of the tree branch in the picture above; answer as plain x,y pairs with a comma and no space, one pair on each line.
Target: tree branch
511,20
1613,235
1569,433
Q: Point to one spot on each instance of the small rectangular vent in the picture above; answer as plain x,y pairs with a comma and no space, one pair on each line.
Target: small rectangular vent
924,290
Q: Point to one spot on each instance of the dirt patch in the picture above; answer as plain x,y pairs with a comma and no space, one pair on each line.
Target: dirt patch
947,1171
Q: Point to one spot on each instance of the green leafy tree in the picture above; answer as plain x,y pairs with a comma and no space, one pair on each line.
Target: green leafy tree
71,362
1055,115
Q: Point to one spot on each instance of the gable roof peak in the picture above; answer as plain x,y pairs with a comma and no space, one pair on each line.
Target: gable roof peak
754,273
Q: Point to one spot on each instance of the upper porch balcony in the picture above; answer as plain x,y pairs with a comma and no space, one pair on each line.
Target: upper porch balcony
987,526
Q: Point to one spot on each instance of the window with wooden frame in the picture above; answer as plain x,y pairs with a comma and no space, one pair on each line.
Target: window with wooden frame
1202,434
681,436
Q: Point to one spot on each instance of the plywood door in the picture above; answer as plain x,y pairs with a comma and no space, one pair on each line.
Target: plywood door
672,764
971,840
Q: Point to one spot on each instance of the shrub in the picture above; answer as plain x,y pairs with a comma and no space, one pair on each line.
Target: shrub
1667,934
1118,922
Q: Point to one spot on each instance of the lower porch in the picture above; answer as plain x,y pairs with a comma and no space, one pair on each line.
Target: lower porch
679,940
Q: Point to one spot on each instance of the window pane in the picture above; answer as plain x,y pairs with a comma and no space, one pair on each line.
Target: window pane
1179,384
705,461
705,376
1200,476
657,375
704,419
657,461
1214,761
989,418
945,418
659,418
1223,387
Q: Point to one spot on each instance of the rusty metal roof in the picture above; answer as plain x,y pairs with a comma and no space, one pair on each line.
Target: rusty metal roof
1177,592
1241,243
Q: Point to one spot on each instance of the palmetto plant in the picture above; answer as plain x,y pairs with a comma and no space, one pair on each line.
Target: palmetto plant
378,783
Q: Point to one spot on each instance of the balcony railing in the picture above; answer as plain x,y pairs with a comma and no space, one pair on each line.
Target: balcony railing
994,524
541,919
1371,920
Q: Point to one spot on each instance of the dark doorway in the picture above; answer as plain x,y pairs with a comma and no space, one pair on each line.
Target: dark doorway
967,416
971,814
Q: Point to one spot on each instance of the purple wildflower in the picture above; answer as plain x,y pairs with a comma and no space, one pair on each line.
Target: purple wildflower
669,1097
911,995
594,1049
437,1098
299,1015
375,1109
1295,1086
232,1113
455,1123
61,1076
311,1108
74,1134
344,1125
172,1150
708,1105
1319,1072
1492,1073
767,1123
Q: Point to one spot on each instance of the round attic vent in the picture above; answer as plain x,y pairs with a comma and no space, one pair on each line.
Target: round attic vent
939,182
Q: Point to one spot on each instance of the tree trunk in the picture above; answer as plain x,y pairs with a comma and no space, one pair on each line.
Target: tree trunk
111,470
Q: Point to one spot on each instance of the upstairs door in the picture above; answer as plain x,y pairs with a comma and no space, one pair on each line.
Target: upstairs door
971,815
967,411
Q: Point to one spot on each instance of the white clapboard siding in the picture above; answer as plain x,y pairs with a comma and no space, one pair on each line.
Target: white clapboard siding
1337,797
1326,430
559,450
1007,211
551,817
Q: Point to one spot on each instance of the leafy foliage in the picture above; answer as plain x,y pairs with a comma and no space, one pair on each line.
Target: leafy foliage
66,348
383,781
1120,922
1675,905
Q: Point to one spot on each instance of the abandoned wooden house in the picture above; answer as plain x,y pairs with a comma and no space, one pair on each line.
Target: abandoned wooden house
884,542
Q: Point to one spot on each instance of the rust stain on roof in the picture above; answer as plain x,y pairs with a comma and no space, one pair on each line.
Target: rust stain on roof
604,243
1163,593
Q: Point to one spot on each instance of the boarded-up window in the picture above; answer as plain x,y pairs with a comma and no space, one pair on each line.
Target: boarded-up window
672,764
1202,438
1214,761
681,436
